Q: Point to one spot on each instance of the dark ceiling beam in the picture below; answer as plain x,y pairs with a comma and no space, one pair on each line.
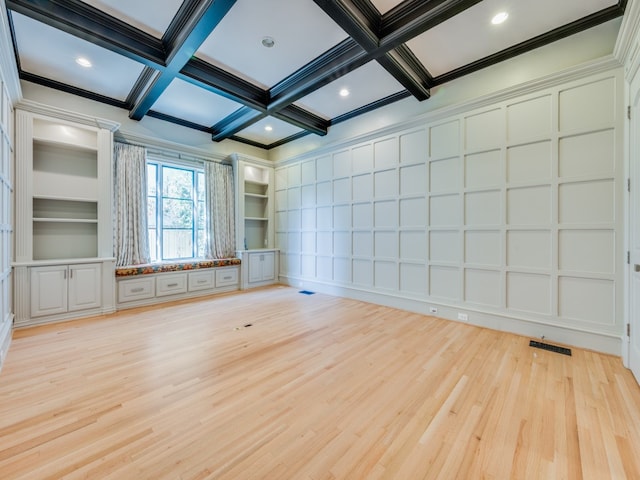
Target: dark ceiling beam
301,118
218,81
200,22
84,21
551,36
232,124
364,30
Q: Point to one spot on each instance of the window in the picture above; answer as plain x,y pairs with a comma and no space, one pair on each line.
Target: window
175,197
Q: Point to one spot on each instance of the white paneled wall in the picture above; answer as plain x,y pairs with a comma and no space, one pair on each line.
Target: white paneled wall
6,218
510,212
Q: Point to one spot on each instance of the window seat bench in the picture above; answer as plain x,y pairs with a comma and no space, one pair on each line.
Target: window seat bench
148,284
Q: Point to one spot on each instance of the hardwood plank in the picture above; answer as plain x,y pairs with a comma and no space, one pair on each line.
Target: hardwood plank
318,387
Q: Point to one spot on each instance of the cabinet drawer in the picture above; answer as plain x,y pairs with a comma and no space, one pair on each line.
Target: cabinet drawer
171,284
226,277
136,289
201,280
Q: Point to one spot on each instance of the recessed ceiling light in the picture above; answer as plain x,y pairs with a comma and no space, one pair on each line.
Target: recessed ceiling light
268,42
83,62
268,128
499,18
344,92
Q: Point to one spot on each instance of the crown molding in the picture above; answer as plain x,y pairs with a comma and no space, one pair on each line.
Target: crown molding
627,47
62,114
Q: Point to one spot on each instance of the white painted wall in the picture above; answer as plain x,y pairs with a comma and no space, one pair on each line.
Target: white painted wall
508,212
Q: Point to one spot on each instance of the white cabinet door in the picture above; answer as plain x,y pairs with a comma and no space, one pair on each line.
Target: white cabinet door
255,267
84,286
48,290
268,266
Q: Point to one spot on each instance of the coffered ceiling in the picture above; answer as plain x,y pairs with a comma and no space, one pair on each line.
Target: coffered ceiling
265,72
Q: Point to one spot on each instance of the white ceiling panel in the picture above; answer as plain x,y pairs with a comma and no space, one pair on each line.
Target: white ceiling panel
279,130
470,35
154,20
365,85
52,53
184,100
300,29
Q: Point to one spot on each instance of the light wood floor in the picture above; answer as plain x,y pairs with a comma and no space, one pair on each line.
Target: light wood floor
317,387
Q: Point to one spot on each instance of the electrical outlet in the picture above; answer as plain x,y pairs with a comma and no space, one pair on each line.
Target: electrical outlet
433,310
463,316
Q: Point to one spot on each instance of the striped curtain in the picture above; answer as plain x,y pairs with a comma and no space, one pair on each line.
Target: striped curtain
131,238
220,210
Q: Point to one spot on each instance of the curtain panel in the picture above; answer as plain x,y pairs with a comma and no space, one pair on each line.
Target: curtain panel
131,239
220,207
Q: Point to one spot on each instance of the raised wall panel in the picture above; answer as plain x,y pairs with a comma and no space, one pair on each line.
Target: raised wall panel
324,267
324,217
528,119
281,241
444,210
444,175
293,219
342,270
362,158
414,147
483,247
529,248
529,292
386,214
385,244
308,219
362,244
483,287
413,179
308,266
281,178
444,246
588,106
444,282
362,215
444,139
385,153
324,193
293,264
482,208
413,279
324,243
529,163
587,299
293,242
484,130
588,154
293,198
324,169
413,212
342,244
281,200
308,242
362,187
308,172
308,195
362,272
586,202
386,183
342,217
413,245
529,206
342,190
483,170
385,275
589,251
281,220
293,175
341,164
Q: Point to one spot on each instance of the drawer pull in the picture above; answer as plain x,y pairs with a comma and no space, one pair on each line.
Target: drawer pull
137,290
202,281
169,285
227,278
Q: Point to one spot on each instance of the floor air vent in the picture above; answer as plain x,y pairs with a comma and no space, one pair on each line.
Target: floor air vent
306,292
551,348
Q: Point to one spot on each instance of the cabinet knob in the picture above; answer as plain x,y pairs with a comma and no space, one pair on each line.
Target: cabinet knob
636,267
